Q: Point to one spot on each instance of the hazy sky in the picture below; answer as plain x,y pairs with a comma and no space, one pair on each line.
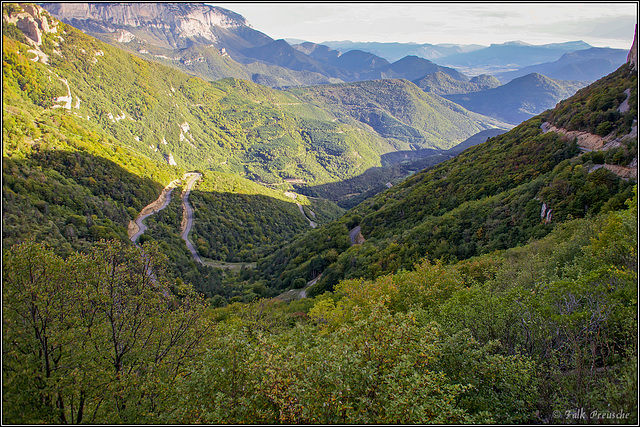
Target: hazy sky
601,24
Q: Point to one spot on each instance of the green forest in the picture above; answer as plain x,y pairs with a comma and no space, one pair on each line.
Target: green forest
519,336
494,285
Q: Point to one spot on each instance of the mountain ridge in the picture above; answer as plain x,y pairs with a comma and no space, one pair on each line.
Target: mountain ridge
520,99
190,19
583,65
448,211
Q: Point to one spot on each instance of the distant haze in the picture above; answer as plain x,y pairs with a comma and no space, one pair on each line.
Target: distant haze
601,24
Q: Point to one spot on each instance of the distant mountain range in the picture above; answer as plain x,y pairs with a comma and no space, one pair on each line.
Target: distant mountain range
506,60
394,51
510,56
215,43
520,99
582,65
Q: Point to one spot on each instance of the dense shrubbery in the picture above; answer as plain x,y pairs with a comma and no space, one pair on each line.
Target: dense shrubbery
518,336
50,196
95,338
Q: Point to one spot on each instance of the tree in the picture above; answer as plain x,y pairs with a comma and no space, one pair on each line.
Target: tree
93,338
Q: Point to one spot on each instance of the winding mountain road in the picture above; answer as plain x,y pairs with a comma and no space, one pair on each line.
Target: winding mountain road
356,236
294,196
136,227
312,224
187,215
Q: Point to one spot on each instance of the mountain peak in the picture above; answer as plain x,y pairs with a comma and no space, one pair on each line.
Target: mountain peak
141,13
511,43
532,78
517,43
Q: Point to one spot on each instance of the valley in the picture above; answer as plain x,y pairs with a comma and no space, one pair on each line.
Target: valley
365,233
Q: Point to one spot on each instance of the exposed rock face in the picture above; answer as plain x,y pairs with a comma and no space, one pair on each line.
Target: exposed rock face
33,21
590,141
546,214
186,20
170,160
124,36
632,58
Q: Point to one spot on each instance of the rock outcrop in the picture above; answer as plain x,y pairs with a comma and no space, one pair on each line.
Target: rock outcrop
33,21
178,21
632,58
170,160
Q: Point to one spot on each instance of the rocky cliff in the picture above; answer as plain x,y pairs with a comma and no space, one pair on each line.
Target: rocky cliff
632,58
32,20
181,20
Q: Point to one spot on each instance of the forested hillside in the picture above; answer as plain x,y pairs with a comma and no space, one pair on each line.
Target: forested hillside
498,286
517,336
400,112
442,84
71,179
497,195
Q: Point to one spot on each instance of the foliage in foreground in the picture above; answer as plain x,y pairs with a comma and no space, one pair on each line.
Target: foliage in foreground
510,337
95,338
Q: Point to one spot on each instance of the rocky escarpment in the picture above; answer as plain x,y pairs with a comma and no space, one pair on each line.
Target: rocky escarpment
632,58
590,142
173,23
32,20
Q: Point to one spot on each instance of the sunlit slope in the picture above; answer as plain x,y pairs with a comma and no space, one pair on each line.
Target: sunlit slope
73,176
232,125
399,111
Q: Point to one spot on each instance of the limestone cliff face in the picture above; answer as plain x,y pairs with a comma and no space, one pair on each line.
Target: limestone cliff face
632,58
182,20
33,21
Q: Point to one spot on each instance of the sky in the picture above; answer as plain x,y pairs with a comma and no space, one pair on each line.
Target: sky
601,24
